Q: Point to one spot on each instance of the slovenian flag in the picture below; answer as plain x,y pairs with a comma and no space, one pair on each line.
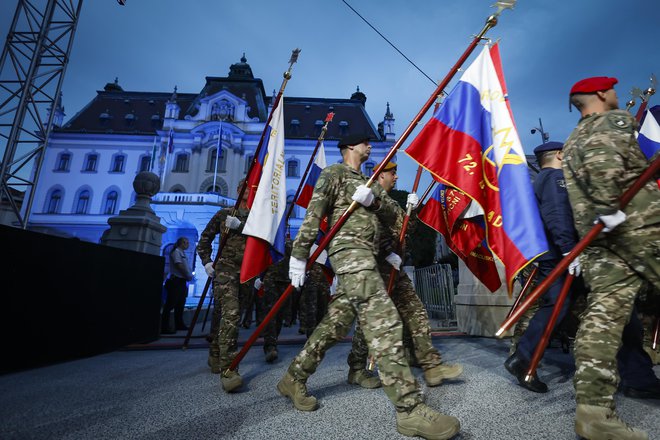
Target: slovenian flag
313,176
471,144
265,227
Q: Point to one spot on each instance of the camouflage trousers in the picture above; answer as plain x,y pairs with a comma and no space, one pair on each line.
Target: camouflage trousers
313,304
523,322
272,292
227,292
616,274
416,326
363,294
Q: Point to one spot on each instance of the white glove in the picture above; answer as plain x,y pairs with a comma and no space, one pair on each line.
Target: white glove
333,286
297,272
232,222
413,200
394,260
574,268
612,221
363,195
208,267
258,283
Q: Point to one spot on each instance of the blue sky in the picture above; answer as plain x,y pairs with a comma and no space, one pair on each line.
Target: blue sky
546,46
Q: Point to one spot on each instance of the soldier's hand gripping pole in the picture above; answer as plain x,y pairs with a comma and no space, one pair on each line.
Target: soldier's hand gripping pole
244,186
647,175
540,348
490,22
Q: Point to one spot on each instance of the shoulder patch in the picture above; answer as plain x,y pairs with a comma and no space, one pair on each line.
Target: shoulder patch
619,122
561,183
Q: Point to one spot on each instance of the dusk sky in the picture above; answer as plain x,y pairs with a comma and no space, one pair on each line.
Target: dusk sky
546,46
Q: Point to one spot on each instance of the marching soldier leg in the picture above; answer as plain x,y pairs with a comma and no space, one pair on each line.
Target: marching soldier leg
358,372
228,292
214,349
416,320
334,326
614,286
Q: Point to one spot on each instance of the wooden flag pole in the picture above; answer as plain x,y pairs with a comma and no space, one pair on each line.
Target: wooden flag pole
490,22
579,247
225,232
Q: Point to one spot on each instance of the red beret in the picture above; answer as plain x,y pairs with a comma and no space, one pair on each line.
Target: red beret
593,84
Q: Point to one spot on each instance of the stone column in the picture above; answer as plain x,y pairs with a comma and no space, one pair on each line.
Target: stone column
479,311
138,228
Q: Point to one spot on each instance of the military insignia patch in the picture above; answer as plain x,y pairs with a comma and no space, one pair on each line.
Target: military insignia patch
618,121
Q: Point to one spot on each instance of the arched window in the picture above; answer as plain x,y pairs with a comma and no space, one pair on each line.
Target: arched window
63,162
222,162
368,168
82,202
181,165
293,168
110,204
54,201
90,162
118,162
145,164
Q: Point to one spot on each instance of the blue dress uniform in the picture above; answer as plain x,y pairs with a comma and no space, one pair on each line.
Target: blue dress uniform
557,216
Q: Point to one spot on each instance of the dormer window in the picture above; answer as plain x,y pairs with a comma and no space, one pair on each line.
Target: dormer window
129,119
104,118
343,128
155,121
295,127
318,126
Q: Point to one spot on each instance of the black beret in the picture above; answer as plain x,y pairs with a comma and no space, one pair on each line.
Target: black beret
352,139
548,146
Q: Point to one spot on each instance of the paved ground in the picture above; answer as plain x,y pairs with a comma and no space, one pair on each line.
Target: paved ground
171,394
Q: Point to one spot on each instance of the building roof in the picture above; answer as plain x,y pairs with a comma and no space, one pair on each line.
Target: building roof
115,110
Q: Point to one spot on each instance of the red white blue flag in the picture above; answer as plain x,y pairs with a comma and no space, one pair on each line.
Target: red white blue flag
471,144
465,237
649,134
266,223
314,172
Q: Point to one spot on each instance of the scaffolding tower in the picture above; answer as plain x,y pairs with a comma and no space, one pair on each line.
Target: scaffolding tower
32,67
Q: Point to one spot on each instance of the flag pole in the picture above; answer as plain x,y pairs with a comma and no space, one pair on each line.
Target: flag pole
579,247
650,91
524,290
217,156
540,348
491,21
225,232
320,139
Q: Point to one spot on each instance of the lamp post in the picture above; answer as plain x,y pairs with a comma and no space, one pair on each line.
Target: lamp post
544,134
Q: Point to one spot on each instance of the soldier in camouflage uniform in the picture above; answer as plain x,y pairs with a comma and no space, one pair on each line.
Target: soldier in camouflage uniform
413,314
352,254
275,282
601,160
227,289
313,299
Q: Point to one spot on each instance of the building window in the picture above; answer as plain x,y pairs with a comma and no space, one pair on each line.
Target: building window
82,203
293,168
118,163
289,202
63,162
248,162
210,163
145,164
343,128
110,205
54,201
294,127
368,169
181,165
90,163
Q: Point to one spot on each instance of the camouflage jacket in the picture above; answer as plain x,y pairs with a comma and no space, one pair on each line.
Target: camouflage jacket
235,246
601,160
389,241
359,237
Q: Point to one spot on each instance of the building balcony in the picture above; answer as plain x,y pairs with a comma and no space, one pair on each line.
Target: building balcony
169,198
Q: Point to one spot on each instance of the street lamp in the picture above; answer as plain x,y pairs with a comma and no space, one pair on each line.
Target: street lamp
545,136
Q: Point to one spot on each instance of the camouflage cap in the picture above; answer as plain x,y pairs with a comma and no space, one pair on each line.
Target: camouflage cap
389,166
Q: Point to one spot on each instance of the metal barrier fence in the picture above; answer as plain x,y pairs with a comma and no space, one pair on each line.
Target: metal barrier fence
435,287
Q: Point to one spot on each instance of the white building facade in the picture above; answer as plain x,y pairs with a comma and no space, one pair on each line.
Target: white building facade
200,145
